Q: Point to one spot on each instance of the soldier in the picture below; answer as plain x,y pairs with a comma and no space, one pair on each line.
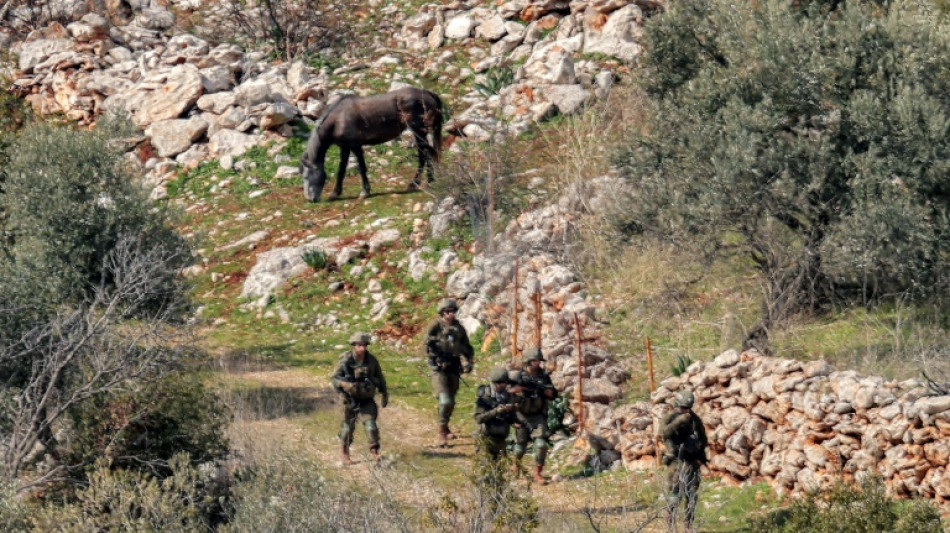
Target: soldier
358,378
536,391
494,412
450,355
685,440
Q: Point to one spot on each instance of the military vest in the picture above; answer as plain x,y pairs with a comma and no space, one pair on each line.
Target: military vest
496,426
363,387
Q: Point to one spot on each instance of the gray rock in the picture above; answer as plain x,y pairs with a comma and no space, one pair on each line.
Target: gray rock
172,137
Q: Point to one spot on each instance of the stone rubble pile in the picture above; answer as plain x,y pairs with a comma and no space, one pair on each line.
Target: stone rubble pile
538,240
197,101
799,425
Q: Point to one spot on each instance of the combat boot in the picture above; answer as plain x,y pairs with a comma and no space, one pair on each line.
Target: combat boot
345,455
538,478
443,436
516,467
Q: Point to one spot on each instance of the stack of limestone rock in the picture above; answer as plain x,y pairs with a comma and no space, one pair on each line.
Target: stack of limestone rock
800,425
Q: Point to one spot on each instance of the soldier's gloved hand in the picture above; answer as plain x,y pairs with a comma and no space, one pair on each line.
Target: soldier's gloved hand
467,367
346,387
385,400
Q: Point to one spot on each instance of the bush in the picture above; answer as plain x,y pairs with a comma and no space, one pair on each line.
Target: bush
315,259
863,508
294,496
120,500
146,428
491,504
811,144
91,300
14,511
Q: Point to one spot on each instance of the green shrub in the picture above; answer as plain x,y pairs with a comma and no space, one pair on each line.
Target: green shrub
14,511
492,502
496,79
146,428
292,495
811,144
678,368
863,508
315,259
118,500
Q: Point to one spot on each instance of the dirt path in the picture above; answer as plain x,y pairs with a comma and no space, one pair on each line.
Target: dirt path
293,412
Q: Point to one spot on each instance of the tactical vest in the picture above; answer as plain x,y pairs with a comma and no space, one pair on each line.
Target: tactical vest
498,426
363,388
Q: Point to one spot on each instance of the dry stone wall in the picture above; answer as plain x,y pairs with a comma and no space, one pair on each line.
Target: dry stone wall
800,425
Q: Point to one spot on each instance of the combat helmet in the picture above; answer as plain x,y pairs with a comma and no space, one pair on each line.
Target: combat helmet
448,304
499,375
532,354
359,338
684,399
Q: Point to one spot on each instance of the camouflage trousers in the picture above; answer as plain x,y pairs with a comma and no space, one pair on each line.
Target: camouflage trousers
537,429
364,411
445,385
682,484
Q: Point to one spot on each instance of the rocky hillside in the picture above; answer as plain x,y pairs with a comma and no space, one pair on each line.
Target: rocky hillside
196,98
222,128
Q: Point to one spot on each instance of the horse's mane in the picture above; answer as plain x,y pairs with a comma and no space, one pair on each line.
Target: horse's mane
311,151
323,117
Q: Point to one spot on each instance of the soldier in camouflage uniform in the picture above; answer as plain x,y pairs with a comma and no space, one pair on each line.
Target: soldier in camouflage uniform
536,391
358,379
685,440
494,413
450,355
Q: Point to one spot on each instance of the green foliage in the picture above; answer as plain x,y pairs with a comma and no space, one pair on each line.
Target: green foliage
812,144
14,111
119,500
863,508
315,259
15,512
494,504
69,198
146,428
296,496
678,367
496,79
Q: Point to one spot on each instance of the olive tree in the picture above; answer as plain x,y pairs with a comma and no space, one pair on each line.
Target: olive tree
809,137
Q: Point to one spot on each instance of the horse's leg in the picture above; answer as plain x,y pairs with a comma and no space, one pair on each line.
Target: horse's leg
423,152
340,172
361,161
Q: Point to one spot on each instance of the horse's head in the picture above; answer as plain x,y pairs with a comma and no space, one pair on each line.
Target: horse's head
313,180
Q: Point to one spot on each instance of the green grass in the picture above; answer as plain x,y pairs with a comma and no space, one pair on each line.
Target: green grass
724,509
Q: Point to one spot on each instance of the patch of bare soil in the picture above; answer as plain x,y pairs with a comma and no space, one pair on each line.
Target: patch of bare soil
292,412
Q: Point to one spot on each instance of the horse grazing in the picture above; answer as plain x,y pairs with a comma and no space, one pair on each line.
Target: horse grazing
353,122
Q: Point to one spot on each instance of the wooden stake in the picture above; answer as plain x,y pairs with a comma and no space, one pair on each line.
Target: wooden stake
514,315
537,316
656,429
579,391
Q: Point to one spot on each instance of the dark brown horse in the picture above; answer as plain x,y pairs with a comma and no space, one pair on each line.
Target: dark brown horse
354,122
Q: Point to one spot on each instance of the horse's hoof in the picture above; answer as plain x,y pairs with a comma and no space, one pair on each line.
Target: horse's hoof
363,195
413,186
332,196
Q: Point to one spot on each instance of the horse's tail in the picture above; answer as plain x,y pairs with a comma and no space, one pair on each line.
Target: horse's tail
437,126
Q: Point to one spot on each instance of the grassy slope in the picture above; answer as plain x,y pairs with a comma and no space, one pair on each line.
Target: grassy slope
649,292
